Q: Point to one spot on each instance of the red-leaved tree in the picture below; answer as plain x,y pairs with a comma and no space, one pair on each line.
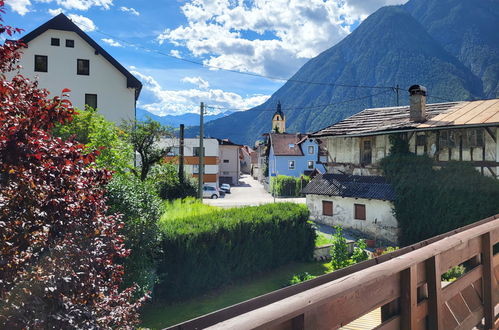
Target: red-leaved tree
57,245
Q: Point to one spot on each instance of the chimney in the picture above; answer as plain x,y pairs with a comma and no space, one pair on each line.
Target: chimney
417,98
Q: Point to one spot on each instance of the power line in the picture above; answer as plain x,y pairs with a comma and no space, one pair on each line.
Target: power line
244,72
302,108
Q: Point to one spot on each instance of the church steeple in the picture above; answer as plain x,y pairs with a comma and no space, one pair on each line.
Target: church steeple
279,120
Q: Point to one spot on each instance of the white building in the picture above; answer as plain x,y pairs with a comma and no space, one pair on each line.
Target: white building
230,165
362,203
191,157
60,55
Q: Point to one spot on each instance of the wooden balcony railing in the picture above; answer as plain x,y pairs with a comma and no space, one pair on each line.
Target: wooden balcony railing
405,284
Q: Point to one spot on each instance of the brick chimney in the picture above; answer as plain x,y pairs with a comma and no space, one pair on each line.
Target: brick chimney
417,99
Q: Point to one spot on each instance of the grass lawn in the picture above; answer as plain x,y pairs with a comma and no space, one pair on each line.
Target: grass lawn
323,239
161,315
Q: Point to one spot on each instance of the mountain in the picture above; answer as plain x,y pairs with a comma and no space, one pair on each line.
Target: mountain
416,43
188,119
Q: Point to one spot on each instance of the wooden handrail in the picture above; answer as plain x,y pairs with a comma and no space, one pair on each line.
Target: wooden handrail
407,280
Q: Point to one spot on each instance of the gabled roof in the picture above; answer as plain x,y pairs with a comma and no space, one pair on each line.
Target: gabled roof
281,143
356,186
440,115
62,22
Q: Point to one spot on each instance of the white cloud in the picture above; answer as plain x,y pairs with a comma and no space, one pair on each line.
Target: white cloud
80,4
175,53
112,43
198,81
175,102
84,23
288,32
132,11
55,12
20,6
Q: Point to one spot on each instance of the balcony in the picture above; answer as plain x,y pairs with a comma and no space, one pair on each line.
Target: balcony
404,286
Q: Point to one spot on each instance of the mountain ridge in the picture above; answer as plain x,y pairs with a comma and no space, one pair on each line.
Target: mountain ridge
390,47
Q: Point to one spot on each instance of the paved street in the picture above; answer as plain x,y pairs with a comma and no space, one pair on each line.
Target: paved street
248,192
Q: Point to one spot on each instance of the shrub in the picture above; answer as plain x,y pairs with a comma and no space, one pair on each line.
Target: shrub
430,202
180,209
165,180
288,186
57,245
141,209
339,250
206,251
301,277
453,273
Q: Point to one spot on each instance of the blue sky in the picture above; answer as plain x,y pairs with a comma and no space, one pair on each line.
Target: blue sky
268,37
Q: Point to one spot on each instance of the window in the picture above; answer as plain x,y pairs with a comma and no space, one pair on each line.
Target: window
55,41
195,169
475,138
327,208
311,150
420,140
366,152
291,164
196,151
225,173
41,63
83,67
226,160
360,211
91,100
310,165
70,43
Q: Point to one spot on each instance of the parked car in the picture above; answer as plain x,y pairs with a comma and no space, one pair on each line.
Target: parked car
210,192
225,187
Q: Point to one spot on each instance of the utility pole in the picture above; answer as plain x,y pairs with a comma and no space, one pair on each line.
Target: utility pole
181,154
201,151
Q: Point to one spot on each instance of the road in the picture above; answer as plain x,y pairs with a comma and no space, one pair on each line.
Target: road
248,192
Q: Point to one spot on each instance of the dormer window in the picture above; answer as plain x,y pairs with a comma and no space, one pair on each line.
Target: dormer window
291,145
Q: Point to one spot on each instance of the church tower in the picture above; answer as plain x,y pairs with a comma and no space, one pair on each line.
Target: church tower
279,120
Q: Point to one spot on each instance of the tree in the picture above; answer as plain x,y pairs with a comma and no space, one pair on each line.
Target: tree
144,136
57,245
339,250
96,133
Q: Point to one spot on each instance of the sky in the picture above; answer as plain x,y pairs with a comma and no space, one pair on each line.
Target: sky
158,41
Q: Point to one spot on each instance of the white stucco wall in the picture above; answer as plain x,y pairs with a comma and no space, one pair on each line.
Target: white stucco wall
380,221
114,100
232,168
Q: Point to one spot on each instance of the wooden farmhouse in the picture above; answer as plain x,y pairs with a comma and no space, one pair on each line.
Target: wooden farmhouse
465,131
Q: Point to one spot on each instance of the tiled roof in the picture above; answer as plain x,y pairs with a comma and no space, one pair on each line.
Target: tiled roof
450,114
281,144
358,186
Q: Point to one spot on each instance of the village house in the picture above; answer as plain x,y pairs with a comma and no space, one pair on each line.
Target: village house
245,158
230,165
60,55
465,131
292,154
191,157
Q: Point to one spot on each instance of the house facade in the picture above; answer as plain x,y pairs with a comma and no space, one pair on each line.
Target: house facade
294,155
191,157
361,203
465,131
230,165
60,55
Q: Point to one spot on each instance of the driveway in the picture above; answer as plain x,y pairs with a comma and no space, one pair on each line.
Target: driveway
248,192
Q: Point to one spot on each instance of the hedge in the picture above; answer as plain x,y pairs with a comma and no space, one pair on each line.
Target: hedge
430,202
288,186
207,251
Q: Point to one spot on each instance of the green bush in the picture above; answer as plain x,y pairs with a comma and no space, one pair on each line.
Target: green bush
430,202
453,273
301,277
202,252
288,186
140,209
164,178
